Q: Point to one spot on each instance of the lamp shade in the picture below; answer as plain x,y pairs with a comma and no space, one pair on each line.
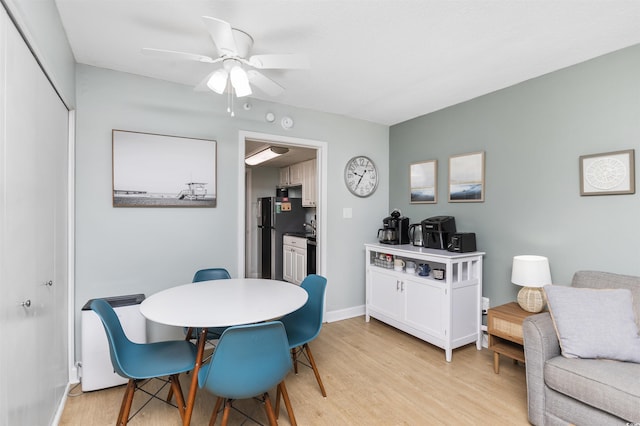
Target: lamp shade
218,81
530,271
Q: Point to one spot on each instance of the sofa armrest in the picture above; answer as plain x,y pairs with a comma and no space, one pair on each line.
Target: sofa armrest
540,344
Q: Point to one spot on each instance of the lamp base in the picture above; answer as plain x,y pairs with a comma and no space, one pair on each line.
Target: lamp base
531,299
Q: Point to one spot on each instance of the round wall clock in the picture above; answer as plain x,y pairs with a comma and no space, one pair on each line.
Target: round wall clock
361,176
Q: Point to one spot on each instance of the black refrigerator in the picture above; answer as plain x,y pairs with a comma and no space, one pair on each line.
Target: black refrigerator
276,217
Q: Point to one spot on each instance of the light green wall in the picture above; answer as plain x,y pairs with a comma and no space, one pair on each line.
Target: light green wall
40,23
144,250
533,134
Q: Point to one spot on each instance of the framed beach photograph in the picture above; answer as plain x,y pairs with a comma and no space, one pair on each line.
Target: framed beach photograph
152,170
608,173
466,178
423,178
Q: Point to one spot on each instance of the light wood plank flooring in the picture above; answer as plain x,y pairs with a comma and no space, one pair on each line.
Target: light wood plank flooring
373,374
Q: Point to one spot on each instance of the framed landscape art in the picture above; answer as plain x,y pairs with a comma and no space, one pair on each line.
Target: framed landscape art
466,178
423,182
152,170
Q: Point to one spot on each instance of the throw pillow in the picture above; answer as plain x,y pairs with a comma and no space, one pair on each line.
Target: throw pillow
594,323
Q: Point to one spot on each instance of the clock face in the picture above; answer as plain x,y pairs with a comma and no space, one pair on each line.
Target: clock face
361,176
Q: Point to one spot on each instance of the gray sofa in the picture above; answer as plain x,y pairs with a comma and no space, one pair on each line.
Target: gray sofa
562,391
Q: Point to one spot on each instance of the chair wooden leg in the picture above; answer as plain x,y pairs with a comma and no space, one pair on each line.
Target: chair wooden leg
294,358
216,408
177,390
269,409
278,393
127,400
189,336
315,369
225,414
282,390
191,399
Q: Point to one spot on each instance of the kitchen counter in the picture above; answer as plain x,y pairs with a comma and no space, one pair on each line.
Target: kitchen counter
311,239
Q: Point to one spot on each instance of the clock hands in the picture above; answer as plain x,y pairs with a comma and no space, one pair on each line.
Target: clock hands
361,176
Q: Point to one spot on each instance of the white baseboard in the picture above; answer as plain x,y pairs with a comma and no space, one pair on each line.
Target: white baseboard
343,314
60,410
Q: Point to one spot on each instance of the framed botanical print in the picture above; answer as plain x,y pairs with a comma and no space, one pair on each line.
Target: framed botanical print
608,173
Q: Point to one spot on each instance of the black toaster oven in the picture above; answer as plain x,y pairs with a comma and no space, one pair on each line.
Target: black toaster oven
462,242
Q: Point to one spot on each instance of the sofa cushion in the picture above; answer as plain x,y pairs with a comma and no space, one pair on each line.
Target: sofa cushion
594,323
598,279
608,385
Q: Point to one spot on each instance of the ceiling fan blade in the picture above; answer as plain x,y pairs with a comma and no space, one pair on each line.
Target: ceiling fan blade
286,61
264,83
222,35
173,55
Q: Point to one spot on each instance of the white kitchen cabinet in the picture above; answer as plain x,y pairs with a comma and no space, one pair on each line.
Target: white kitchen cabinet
294,259
309,183
295,174
284,179
446,313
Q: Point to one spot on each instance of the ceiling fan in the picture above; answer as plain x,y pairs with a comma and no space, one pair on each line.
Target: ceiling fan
239,71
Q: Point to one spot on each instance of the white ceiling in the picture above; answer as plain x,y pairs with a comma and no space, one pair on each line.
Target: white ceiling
384,61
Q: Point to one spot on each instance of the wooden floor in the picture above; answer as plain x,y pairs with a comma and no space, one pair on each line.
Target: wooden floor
373,374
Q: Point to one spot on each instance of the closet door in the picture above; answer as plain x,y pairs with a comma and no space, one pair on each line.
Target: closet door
33,356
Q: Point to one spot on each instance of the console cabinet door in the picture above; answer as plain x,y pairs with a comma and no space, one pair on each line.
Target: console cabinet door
424,304
385,296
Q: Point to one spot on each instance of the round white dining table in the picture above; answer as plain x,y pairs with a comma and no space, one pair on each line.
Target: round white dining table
221,303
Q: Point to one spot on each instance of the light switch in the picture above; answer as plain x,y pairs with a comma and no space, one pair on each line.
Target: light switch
347,213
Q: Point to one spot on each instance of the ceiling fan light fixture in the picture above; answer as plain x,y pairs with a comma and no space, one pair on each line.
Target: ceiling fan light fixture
264,155
218,81
240,81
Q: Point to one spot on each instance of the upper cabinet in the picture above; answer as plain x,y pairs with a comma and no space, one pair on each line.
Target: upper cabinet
302,174
295,174
291,175
309,183
284,177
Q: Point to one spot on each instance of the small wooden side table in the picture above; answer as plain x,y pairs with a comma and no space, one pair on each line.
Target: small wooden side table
504,326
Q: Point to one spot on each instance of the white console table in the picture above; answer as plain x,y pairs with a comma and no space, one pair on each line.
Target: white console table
446,313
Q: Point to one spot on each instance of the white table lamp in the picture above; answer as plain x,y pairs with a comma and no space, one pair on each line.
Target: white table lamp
532,273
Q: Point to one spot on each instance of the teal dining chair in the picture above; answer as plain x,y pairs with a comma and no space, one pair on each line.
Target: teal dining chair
304,325
248,361
141,361
208,274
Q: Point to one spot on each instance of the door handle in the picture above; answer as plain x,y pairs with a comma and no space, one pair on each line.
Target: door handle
26,303
49,283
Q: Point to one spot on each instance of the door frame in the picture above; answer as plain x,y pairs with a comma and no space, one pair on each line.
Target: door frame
321,208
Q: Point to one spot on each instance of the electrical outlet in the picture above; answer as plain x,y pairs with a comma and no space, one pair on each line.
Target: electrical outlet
485,305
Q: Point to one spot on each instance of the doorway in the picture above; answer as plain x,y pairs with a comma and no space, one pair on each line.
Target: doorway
246,197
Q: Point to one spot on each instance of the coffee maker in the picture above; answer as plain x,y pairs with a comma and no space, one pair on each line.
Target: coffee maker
437,230
395,229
